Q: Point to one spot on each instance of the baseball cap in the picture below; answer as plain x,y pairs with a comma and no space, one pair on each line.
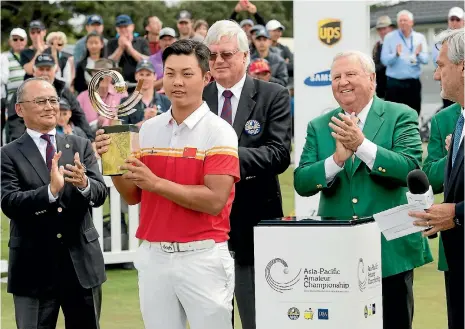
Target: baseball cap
184,15
64,105
19,32
246,22
44,60
167,31
123,20
274,25
456,11
259,66
383,21
103,64
262,33
94,19
36,25
145,65
257,27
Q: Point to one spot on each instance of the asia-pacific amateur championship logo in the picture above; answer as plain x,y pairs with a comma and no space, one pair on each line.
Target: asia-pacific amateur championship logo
329,31
278,285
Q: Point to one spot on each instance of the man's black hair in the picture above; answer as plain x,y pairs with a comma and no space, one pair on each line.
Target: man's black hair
189,47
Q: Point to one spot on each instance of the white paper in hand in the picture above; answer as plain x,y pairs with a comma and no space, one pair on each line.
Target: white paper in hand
395,223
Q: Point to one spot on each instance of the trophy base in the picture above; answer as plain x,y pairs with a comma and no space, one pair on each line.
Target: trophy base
124,143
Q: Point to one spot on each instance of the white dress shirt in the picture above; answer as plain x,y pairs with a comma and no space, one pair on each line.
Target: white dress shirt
42,146
236,90
366,152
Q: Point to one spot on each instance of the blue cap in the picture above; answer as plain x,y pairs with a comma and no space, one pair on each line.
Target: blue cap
257,28
145,64
262,33
123,20
94,19
36,25
44,60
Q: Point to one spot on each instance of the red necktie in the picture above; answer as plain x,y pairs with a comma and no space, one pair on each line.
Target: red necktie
226,112
49,152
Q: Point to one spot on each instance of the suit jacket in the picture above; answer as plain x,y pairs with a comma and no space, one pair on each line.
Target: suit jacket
453,193
359,191
39,228
264,153
442,124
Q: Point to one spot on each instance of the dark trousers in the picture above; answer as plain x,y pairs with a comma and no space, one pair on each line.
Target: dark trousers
398,301
406,92
454,296
245,294
81,307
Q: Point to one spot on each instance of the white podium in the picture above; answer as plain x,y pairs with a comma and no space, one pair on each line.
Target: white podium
319,274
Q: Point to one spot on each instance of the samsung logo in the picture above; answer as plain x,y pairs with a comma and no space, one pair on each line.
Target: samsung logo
319,79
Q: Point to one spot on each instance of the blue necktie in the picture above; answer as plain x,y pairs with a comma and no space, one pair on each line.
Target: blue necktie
457,135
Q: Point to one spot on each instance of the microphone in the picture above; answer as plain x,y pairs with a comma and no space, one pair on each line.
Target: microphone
420,191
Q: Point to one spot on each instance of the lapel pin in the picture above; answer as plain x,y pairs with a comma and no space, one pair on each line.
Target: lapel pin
67,146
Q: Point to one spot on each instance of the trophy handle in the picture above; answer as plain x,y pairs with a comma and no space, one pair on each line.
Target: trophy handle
113,112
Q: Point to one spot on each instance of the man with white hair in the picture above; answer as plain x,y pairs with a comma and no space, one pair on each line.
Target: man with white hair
448,216
403,52
260,114
358,156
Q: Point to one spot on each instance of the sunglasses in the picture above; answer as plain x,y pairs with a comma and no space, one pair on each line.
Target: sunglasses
226,55
456,19
18,39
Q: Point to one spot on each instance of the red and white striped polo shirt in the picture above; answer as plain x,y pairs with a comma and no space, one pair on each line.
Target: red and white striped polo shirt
204,144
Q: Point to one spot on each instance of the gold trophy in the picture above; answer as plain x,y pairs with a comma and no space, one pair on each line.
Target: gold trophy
124,138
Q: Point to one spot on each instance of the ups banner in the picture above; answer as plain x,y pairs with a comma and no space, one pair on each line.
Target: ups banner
321,30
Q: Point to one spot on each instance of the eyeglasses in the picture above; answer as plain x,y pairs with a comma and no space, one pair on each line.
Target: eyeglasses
455,19
42,101
18,39
226,55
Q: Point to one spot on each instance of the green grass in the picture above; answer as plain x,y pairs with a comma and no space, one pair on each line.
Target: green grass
120,308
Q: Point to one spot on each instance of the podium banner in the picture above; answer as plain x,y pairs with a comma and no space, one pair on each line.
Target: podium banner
322,277
321,30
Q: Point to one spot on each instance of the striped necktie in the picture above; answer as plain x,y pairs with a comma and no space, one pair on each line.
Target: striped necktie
457,139
49,151
226,112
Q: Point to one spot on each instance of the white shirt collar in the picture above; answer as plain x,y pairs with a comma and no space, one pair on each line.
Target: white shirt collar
35,135
236,89
193,118
362,116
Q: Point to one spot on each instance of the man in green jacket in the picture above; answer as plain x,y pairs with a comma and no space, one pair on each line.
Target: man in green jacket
358,156
442,126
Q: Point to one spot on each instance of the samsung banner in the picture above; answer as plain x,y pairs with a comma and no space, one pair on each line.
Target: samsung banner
305,281
321,30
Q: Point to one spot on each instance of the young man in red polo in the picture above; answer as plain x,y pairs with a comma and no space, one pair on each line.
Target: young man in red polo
184,181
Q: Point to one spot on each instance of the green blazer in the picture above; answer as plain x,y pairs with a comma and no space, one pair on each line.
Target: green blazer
358,191
442,124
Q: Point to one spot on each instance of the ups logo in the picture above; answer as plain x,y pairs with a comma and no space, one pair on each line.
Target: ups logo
329,31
